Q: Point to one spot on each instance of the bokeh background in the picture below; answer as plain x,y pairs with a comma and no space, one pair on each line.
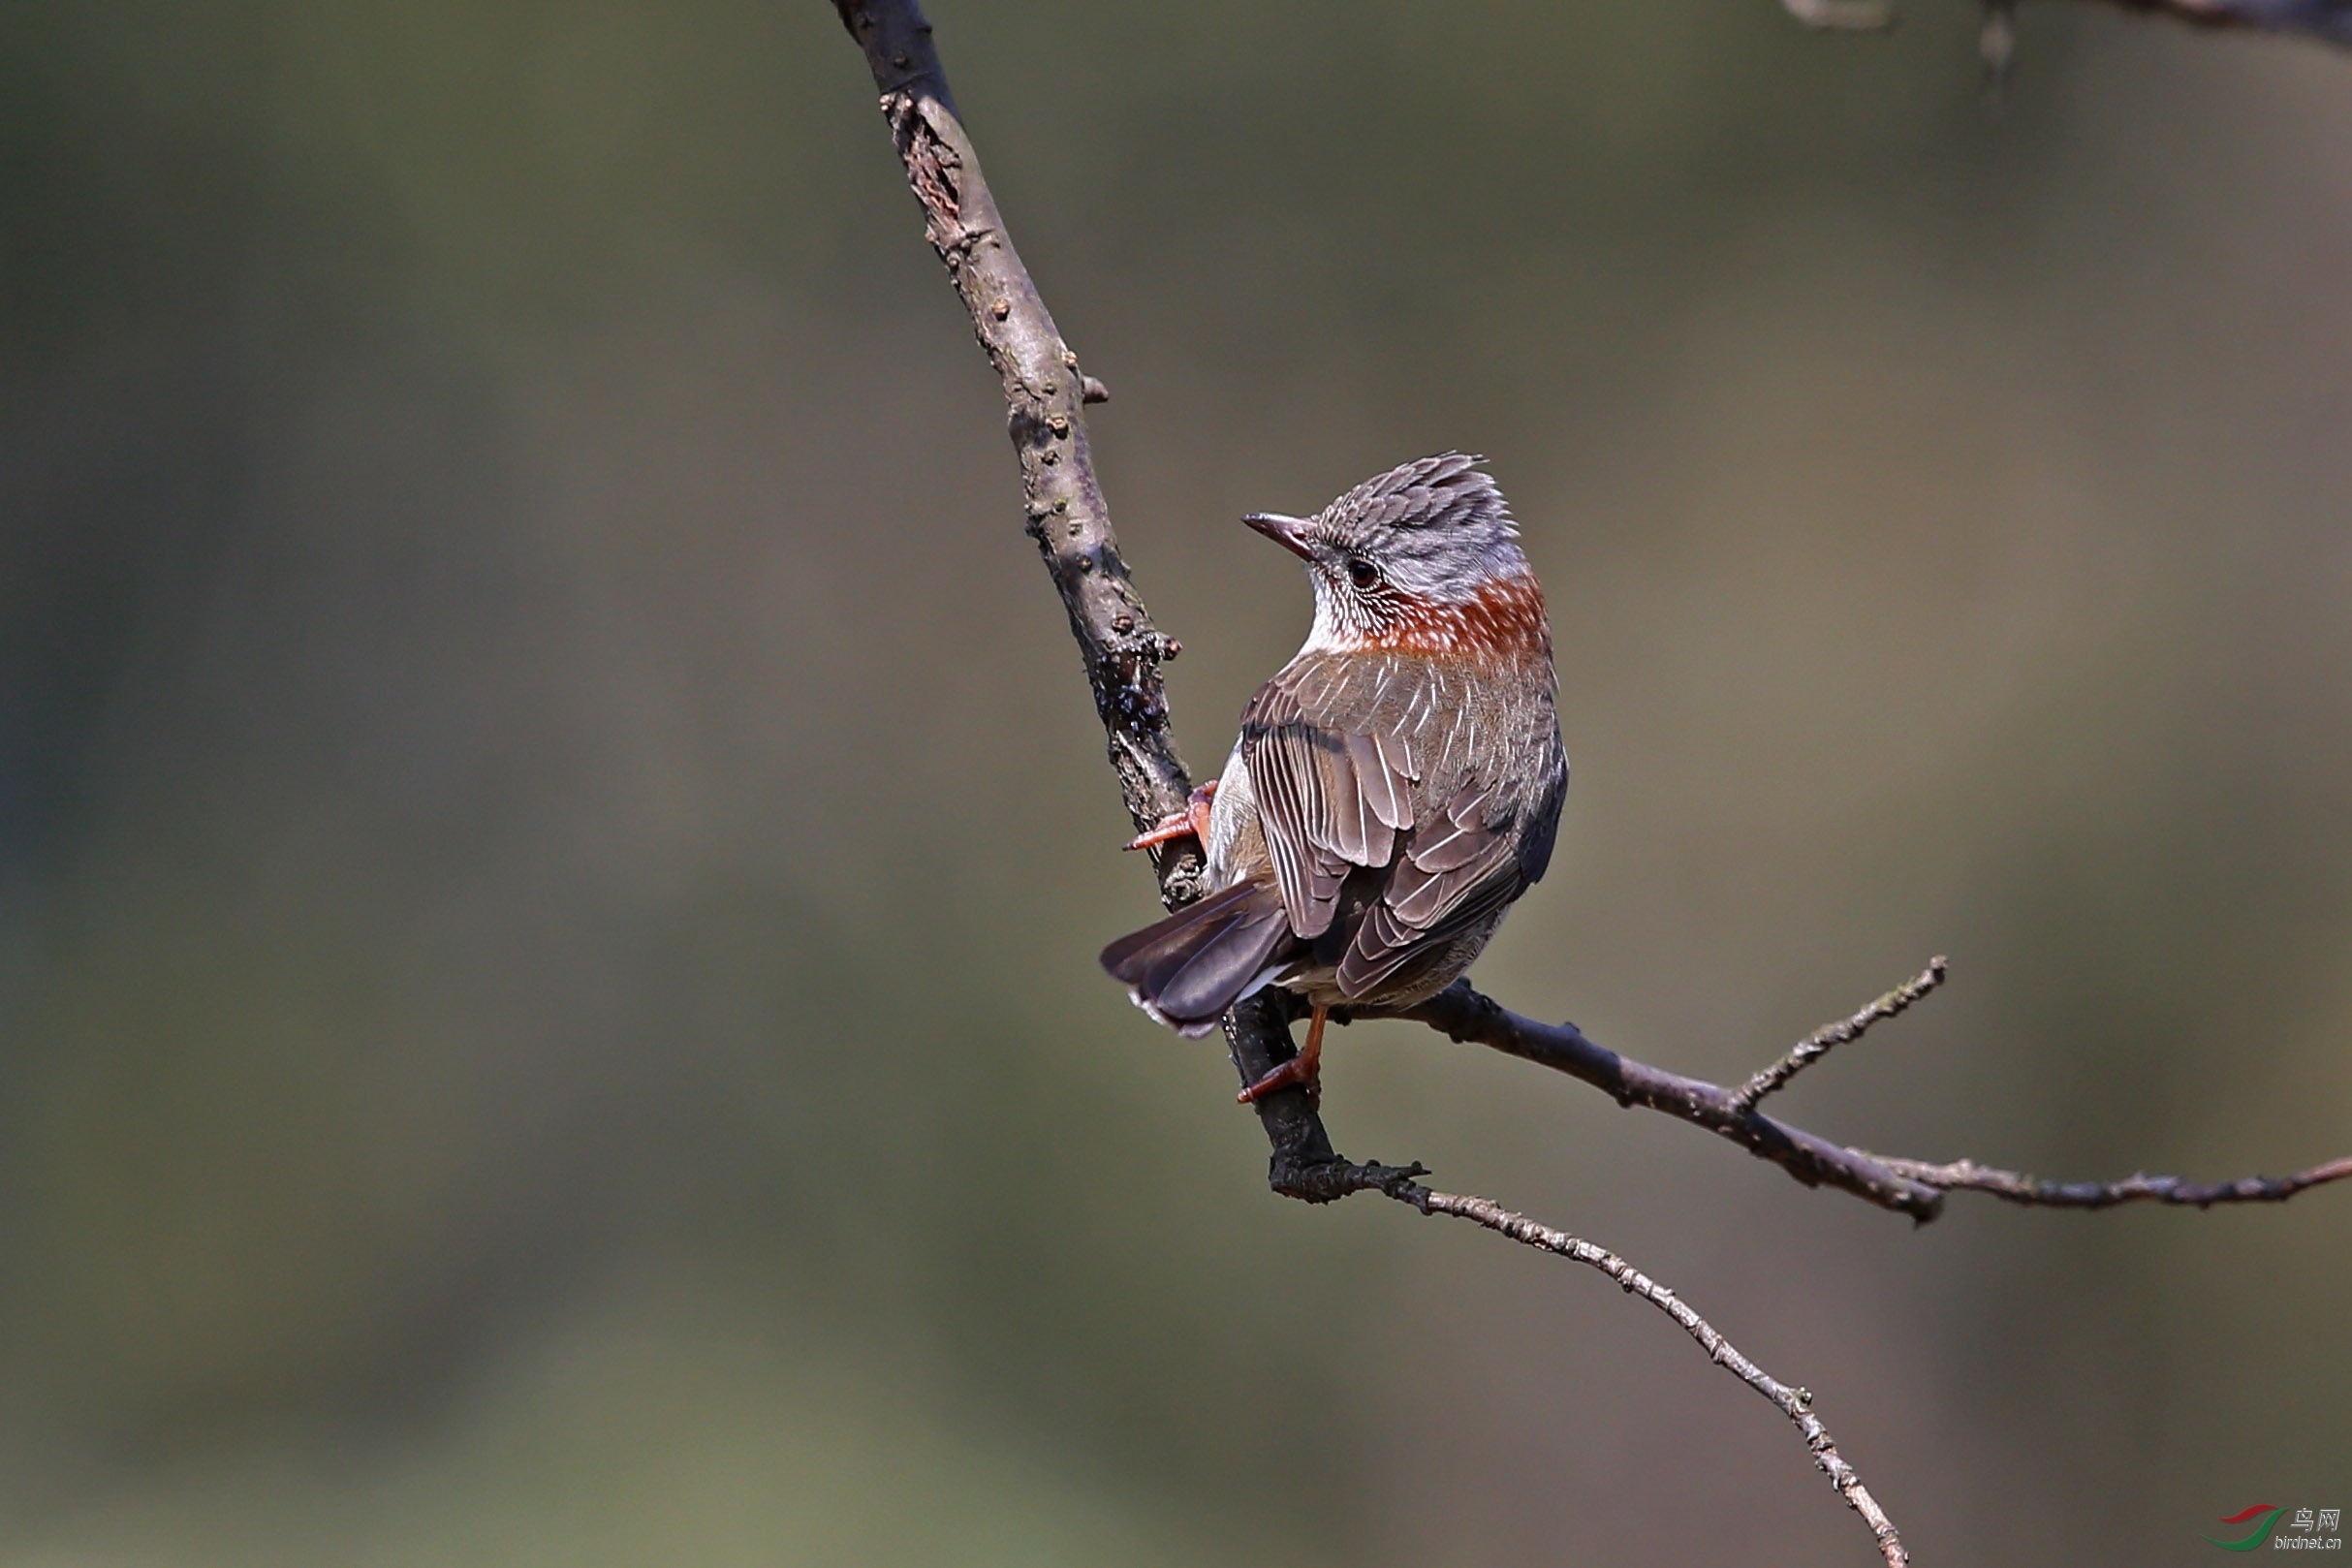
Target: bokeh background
552,838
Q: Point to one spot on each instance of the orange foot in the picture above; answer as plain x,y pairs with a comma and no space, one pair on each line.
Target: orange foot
1191,822
1303,1069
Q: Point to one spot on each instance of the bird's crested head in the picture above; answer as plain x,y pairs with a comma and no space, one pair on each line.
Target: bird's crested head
1424,555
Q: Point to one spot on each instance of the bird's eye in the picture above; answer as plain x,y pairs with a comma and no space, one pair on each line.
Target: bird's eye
1364,573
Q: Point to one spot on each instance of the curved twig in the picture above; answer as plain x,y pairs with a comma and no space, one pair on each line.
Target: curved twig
1796,1403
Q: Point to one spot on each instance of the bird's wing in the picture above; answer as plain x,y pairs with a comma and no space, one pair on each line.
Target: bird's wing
1332,792
1370,760
1459,868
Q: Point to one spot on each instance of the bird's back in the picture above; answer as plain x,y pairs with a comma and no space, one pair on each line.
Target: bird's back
1397,800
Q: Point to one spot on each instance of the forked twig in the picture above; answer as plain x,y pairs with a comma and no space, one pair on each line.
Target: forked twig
1466,1015
1913,1187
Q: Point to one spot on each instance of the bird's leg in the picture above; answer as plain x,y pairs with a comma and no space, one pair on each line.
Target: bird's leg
1193,820
1299,1069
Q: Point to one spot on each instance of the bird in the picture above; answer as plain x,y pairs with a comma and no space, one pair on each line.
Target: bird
1394,787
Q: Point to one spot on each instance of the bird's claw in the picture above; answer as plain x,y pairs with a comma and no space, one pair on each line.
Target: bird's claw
1303,1069
1192,821
1298,1070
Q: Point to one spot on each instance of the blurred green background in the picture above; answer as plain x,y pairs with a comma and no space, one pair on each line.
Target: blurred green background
551,838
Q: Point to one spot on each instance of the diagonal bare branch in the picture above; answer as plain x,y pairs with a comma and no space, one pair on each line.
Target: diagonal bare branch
1913,1187
1045,394
1045,391
1465,1016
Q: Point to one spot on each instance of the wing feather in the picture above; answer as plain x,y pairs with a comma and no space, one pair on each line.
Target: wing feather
1386,791
1294,814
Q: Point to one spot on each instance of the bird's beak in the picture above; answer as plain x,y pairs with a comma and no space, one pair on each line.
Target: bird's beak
1288,532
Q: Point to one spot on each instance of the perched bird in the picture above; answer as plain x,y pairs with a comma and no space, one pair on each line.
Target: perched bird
1393,788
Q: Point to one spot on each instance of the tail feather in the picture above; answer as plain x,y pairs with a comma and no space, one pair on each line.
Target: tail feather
1187,969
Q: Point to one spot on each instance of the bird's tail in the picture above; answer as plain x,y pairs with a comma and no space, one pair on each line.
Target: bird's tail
1189,968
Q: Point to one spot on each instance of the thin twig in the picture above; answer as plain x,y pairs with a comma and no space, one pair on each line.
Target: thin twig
1817,1045
1967,1176
2329,20
1796,1403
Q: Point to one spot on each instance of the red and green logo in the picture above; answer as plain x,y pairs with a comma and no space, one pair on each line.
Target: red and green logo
2268,1517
